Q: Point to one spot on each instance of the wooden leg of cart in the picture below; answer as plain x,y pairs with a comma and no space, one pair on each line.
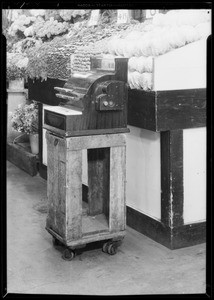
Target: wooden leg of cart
104,218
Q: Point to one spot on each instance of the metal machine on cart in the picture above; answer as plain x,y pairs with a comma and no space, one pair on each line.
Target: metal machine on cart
92,116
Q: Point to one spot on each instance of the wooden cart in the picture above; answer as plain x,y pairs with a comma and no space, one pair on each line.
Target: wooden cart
72,221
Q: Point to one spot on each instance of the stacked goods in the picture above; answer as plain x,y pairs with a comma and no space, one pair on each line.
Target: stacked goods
144,41
81,42
45,24
23,45
167,32
81,61
46,29
52,59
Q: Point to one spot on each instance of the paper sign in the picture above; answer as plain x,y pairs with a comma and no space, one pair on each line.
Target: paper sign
151,12
123,16
108,64
95,14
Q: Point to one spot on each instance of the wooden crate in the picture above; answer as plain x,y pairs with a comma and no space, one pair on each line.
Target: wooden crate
71,220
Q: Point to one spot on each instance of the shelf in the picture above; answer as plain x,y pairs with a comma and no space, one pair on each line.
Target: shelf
18,91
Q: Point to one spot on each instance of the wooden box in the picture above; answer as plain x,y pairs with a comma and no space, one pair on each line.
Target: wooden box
70,219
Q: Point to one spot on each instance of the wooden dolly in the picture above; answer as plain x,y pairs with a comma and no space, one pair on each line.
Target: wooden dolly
71,221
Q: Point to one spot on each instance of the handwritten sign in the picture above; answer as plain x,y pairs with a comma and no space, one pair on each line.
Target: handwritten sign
95,14
150,13
123,16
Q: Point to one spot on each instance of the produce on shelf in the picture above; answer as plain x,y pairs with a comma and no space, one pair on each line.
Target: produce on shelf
55,57
42,28
138,80
37,65
57,38
25,44
141,64
16,65
144,41
81,61
20,24
45,24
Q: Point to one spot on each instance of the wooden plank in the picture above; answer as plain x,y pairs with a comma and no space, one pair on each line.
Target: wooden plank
167,110
148,226
172,178
90,132
56,183
181,109
73,194
91,142
116,236
98,180
61,196
22,158
117,188
188,235
50,220
172,238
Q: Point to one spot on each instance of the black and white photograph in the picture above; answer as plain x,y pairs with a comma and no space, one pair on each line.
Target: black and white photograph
107,135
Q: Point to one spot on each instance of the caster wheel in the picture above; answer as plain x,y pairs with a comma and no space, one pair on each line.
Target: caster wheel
68,254
112,249
105,247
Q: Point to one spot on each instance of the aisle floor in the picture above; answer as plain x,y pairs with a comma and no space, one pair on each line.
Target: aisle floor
141,266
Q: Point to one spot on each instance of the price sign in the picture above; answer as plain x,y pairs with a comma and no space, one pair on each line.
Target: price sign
150,13
108,64
95,14
123,16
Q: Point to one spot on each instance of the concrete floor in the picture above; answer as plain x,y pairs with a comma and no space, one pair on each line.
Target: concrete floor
141,266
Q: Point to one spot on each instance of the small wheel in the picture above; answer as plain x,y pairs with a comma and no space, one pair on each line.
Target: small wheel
105,247
68,254
112,249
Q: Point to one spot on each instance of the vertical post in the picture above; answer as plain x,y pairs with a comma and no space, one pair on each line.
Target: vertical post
73,194
56,184
172,178
117,188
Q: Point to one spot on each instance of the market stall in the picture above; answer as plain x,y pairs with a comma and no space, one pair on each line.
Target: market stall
166,146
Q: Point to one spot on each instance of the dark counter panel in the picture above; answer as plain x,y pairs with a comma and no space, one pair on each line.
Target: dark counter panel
167,110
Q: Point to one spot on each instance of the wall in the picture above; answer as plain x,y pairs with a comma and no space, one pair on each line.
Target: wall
194,152
143,172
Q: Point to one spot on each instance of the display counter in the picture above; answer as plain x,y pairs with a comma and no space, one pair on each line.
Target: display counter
166,166
167,150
